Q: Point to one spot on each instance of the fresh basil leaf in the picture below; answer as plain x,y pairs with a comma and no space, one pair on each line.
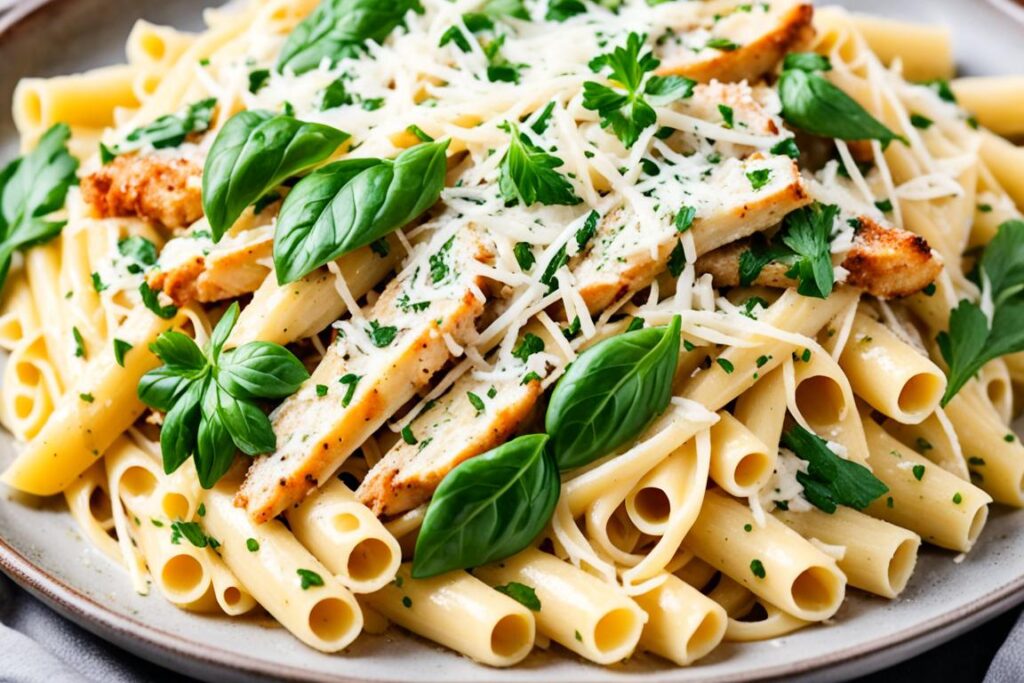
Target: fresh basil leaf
611,393
260,370
806,61
488,508
169,130
521,593
811,103
223,331
252,154
831,481
215,449
527,173
178,434
249,427
179,353
161,387
497,9
352,203
32,187
338,29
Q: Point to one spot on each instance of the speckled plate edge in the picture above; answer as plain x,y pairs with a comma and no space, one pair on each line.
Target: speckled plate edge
212,663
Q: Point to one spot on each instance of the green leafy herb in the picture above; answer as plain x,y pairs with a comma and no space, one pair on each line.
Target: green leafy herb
252,154
971,341
88,398
79,343
139,252
726,365
589,229
727,115
942,89
807,61
521,593
560,10
529,345
626,105
169,130
813,104
97,283
805,243
499,69
31,188
338,29
257,79
381,335
309,578
918,472
757,569
528,175
191,532
351,381
252,545
611,393
475,401
210,397
524,255
151,300
121,348
438,262
920,121
684,218
488,508
759,178
787,147
354,202
831,481
723,44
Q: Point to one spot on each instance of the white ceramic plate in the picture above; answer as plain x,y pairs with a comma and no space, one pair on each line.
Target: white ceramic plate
41,549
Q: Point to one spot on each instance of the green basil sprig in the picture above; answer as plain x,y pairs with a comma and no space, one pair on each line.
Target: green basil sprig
31,187
210,397
351,203
170,130
811,103
338,28
488,508
611,393
253,153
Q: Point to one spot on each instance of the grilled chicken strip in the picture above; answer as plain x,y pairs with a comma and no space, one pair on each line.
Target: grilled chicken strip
752,44
163,189
884,262
372,370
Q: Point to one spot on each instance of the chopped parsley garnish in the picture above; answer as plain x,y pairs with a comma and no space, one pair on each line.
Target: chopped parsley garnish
831,481
121,348
957,498
439,269
521,593
626,105
528,175
727,115
79,343
381,335
635,324
380,247
684,218
787,147
524,255
475,401
529,345
191,532
252,545
140,251
152,301
723,44
588,230
406,601
408,436
257,79
726,365
757,569
309,578
351,381
418,132
919,121
759,177
321,390
884,205
88,398
918,472
97,283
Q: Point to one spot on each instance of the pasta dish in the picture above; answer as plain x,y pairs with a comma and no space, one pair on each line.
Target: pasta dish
608,326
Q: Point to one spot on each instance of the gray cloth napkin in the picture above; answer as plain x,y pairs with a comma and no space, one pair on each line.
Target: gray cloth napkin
1008,665
39,646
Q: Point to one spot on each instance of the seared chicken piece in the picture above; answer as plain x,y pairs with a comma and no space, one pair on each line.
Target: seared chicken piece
750,42
159,188
620,260
376,366
452,431
883,261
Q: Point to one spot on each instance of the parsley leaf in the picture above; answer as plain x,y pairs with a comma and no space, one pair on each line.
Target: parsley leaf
381,335
524,255
170,130
529,345
527,173
970,341
623,106
521,593
151,301
807,232
831,481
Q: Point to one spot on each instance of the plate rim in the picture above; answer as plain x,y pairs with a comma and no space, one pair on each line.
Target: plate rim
164,648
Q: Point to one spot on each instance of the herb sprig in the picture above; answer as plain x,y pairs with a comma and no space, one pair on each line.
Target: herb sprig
210,397
170,130
527,173
831,481
973,339
625,106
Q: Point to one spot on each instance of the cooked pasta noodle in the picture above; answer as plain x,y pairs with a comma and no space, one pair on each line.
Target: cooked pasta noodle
574,325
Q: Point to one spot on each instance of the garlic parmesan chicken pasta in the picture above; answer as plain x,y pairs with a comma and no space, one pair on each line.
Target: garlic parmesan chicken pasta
621,325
